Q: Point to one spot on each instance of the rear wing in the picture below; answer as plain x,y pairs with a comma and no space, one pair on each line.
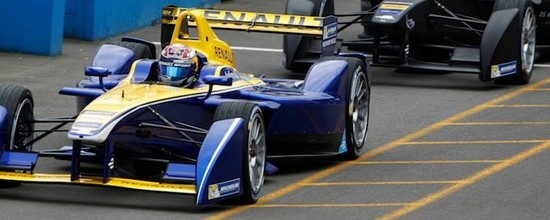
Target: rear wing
322,27
257,21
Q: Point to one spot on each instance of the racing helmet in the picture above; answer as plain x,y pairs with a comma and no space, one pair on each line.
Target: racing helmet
178,65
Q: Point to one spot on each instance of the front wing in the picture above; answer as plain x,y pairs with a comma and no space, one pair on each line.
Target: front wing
215,177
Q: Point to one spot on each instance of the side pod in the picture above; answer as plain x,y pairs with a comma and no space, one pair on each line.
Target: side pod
501,43
327,76
219,164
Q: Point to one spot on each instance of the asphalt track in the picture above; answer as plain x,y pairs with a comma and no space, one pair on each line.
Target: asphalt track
440,146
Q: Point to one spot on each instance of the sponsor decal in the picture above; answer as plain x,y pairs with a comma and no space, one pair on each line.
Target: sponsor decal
262,18
223,189
92,125
389,11
410,23
544,17
385,17
343,145
223,53
399,7
330,31
504,69
94,117
329,42
111,163
98,113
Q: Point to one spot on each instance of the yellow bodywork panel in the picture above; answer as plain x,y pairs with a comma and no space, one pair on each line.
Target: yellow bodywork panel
206,42
219,52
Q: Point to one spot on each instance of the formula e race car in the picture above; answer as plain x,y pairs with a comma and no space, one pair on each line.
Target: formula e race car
495,39
211,140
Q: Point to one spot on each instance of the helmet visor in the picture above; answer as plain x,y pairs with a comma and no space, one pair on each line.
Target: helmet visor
175,73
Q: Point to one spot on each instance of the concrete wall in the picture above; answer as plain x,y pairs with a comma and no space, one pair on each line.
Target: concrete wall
99,19
32,26
38,26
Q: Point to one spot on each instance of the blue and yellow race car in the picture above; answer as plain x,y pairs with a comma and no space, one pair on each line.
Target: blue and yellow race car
211,139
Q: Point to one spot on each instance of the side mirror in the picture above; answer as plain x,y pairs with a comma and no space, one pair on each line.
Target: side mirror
96,71
218,80
99,72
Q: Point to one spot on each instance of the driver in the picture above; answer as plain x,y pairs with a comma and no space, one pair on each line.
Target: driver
178,66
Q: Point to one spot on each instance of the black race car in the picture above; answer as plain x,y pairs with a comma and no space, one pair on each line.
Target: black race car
496,39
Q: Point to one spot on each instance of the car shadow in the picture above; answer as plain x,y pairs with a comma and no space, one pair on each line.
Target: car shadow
431,79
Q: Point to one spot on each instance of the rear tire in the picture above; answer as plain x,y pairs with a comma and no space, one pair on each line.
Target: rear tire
19,123
141,51
254,146
528,40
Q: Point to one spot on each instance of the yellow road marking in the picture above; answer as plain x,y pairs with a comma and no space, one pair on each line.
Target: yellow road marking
499,123
537,89
383,183
468,181
351,205
427,162
471,142
521,106
381,149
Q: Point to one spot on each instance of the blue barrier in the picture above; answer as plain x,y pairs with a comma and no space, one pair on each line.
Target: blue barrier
99,19
38,26
32,26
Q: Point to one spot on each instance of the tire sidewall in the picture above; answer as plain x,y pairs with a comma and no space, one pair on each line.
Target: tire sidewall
523,76
256,112
23,105
18,102
246,111
357,69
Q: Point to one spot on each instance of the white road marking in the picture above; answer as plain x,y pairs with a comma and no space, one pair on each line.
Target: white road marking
542,65
258,49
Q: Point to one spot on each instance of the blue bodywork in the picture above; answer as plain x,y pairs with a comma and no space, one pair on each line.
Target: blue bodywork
302,118
219,160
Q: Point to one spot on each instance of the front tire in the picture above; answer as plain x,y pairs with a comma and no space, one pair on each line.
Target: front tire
19,128
357,108
528,40
357,105
19,123
254,146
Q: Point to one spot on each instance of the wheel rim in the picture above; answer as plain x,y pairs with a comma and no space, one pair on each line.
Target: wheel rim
21,131
528,38
360,107
256,152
